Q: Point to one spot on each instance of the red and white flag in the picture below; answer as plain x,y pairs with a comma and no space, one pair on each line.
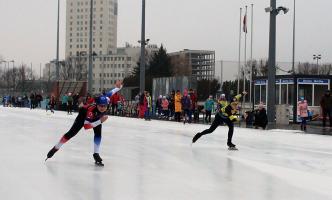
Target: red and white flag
245,29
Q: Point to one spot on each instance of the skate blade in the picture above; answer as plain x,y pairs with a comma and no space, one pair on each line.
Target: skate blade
99,164
233,149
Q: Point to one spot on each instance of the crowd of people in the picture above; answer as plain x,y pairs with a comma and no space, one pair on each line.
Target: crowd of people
180,107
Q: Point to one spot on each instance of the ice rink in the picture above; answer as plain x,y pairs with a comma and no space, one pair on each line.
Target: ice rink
154,160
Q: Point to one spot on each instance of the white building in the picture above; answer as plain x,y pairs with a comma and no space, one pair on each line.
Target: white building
78,26
109,68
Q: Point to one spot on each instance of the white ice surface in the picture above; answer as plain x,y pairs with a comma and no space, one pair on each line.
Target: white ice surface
152,160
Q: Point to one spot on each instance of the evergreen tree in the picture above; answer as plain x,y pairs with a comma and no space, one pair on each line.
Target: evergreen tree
158,66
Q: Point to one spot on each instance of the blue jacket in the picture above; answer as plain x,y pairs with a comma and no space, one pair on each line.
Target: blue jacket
209,104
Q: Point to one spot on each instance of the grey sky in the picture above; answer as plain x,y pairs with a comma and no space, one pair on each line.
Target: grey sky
28,28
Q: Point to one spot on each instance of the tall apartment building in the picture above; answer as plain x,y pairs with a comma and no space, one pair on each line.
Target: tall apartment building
78,26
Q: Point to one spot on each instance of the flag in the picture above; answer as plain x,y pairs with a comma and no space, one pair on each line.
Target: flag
245,23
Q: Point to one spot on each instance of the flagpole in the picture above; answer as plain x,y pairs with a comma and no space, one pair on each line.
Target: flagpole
245,55
251,67
239,67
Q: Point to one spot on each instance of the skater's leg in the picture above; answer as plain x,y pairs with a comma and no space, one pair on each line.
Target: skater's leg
230,131
97,138
213,127
97,141
78,124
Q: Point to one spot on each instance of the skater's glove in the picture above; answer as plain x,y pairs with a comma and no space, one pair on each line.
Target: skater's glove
233,118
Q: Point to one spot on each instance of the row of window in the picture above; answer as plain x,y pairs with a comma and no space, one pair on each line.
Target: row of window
85,46
115,75
113,66
80,34
78,22
86,40
106,58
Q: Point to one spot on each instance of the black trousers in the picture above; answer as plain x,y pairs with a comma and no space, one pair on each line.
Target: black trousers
178,116
78,124
327,112
208,115
219,120
70,107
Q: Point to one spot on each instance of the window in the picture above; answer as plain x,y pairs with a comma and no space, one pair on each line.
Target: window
306,92
263,94
284,94
319,92
257,94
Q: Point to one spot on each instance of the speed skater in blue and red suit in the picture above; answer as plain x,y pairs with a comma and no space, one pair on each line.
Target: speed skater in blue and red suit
90,116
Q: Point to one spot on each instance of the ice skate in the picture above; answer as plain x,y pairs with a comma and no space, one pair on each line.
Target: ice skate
196,137
232,147
98,160
51,153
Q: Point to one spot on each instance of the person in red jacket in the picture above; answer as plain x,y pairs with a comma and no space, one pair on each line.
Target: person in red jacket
193,98
90,116
114,101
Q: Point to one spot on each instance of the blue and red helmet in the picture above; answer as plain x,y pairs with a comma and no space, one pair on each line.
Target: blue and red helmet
102,100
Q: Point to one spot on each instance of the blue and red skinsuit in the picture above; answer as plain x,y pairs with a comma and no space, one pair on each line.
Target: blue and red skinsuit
88,117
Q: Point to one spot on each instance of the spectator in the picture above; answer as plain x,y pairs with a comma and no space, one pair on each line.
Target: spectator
76,97
194,107
171,105
69,104
177,106
64,101
165,105
142,105
158,105
114,100
209,106
260,117
326,105
32,101
186,106
52,103
302,112
89,99
148,106
222,102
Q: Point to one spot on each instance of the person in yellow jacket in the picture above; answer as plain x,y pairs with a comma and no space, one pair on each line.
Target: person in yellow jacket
178,105
226,115
222,102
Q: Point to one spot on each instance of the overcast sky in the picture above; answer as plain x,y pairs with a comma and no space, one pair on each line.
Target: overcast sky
28,28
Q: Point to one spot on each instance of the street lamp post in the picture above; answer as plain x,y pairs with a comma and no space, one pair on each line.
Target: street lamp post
143,43
271,101
317,57
57,45
90,50
12,61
